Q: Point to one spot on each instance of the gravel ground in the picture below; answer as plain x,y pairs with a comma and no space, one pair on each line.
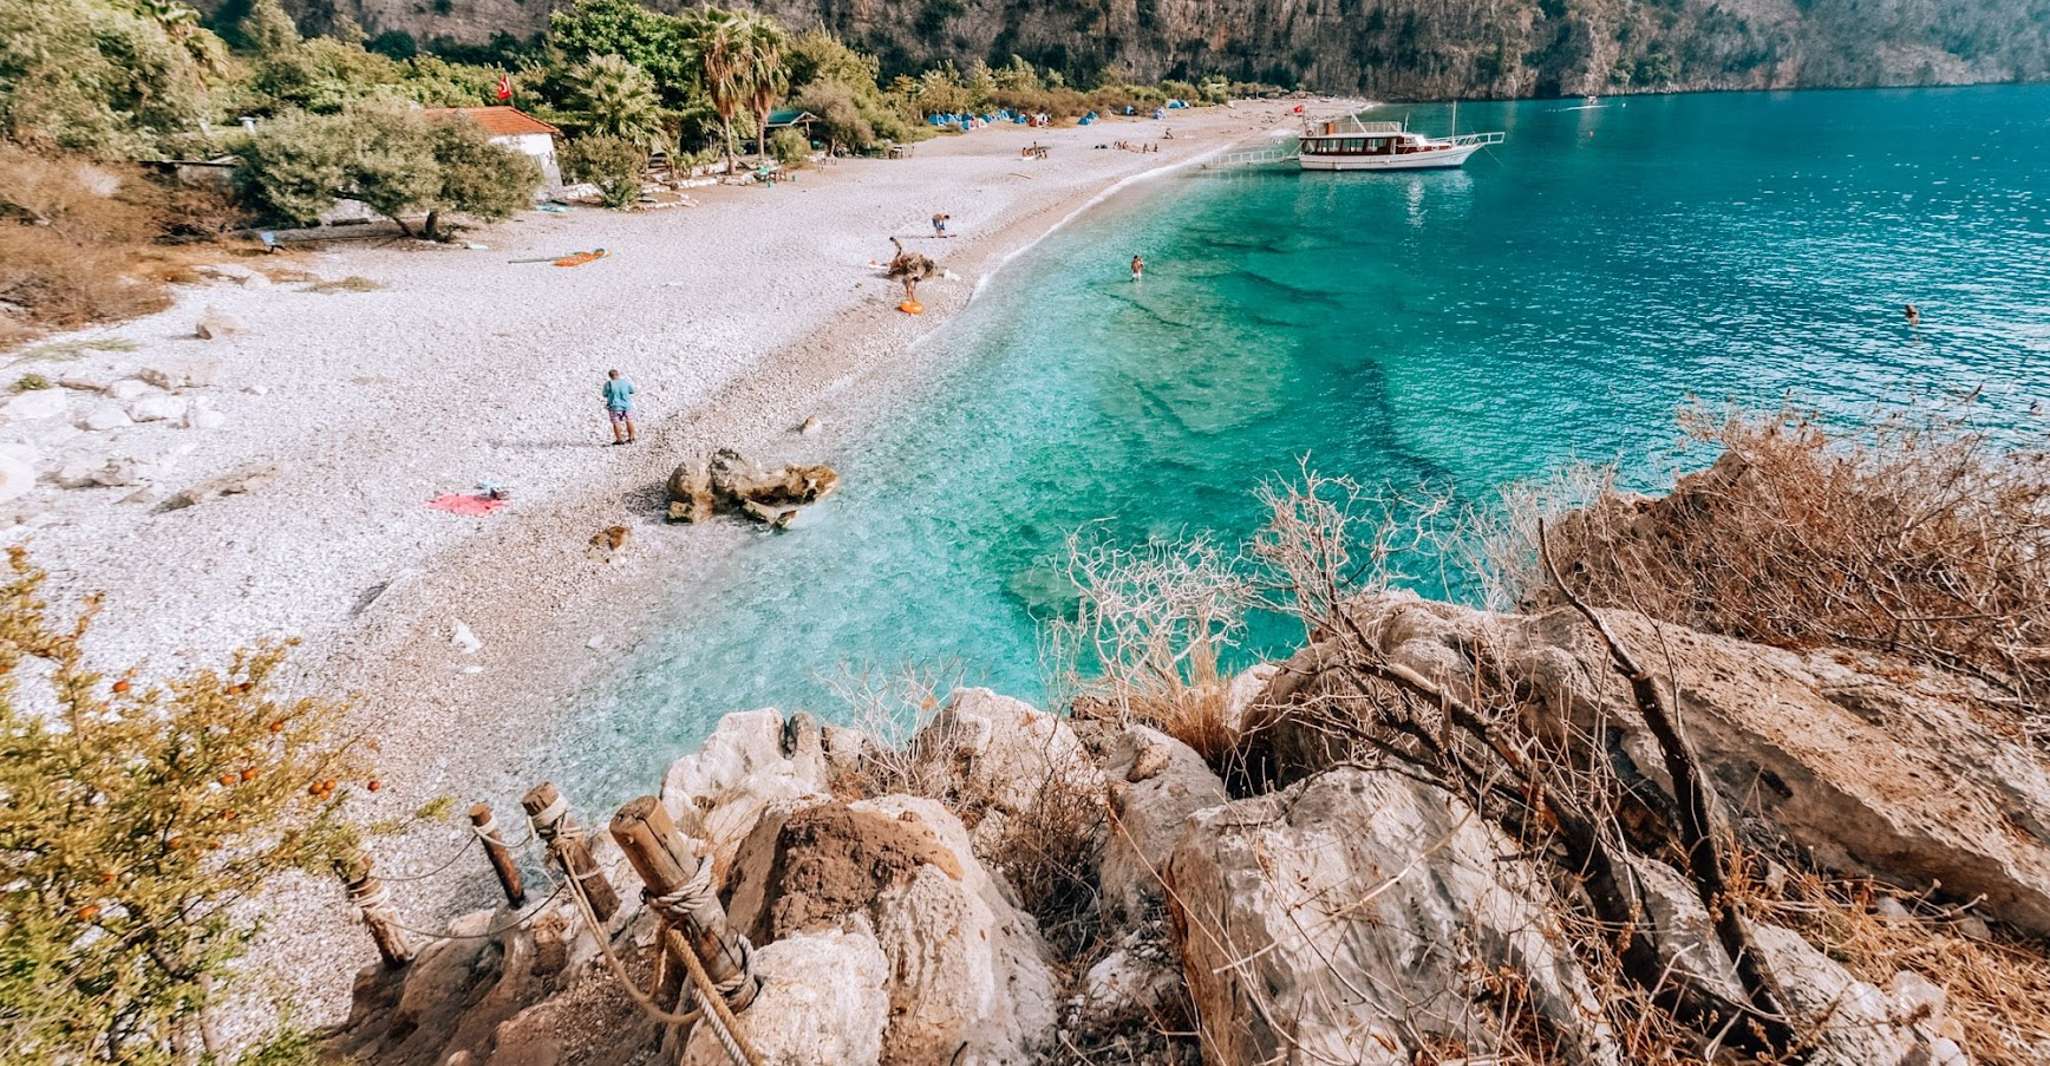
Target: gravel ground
445,367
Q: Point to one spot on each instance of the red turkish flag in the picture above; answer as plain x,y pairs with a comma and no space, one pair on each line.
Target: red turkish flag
504,88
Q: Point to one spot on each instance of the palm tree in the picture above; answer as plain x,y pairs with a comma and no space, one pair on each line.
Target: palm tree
767,75
619,100
722,61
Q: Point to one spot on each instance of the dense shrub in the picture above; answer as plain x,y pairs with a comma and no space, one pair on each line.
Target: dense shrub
1924,541
613,164
395,160
98,77
73,238
138,819
789,147
618,99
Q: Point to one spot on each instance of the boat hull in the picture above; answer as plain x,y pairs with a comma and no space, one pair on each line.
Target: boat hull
1441,160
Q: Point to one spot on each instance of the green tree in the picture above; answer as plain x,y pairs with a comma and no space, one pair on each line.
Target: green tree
267,28
833,103
665,46
135,818
396,160
766,77
618,99
92,76
613,164
722,63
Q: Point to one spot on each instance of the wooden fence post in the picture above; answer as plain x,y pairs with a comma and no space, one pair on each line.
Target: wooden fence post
500,855
549,812
662,856
370,898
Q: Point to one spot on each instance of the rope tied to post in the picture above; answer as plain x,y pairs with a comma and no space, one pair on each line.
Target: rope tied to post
367,896
687,907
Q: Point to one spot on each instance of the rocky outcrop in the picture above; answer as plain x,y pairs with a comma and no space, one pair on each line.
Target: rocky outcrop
823,999
1850,1022
1156,783
727,481
752,762
1345,913
998,758
1363,917
970,975
1383,48
1869,768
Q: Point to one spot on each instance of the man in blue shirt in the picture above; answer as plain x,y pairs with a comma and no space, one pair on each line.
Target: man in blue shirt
619,403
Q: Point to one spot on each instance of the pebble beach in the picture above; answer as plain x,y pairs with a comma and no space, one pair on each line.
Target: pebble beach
347,385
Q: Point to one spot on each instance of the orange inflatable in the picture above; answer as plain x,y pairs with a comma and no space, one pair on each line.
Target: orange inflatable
911,307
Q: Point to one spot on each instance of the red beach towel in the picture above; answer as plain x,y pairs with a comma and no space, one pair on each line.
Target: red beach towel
463,503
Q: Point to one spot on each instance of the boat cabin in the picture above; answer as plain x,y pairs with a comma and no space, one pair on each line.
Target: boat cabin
1371,138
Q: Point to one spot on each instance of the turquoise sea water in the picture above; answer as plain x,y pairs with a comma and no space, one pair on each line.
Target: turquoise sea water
1558,298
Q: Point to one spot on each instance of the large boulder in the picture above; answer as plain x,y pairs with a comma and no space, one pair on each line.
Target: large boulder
969,977
1363,917
1156,782
753,761
997,758
822,1001
728,481
690,492
1870,767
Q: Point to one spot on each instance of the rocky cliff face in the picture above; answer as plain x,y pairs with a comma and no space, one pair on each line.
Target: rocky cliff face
1384,48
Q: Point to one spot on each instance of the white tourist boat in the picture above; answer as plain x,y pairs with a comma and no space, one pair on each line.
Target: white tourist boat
1349,144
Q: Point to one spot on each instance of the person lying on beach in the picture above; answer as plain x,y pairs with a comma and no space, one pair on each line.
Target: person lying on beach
619,403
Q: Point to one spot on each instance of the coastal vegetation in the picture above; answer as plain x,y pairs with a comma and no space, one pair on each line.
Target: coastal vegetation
139,819
90,89
1384,49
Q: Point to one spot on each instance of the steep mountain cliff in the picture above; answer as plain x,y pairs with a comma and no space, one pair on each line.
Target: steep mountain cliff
1384,48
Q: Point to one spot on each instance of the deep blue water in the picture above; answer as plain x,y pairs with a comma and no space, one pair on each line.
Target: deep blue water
1557,299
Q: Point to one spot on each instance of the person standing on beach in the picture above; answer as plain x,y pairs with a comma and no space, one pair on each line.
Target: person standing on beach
619,404
939,224
1138,267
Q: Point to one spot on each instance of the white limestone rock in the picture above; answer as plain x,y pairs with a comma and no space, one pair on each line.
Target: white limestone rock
822,1001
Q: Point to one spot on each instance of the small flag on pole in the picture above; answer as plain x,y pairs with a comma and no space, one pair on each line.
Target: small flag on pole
504,88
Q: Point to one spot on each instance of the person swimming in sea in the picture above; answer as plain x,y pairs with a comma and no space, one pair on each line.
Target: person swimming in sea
1914,314
1138,267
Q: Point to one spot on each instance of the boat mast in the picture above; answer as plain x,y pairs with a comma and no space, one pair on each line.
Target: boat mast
1455,116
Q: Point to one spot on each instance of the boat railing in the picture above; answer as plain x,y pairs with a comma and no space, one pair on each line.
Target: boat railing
1461,140
1258,157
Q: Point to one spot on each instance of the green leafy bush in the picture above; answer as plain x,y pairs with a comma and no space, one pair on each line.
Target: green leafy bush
98,77
136,819
394,159
618,99
789,147
613,164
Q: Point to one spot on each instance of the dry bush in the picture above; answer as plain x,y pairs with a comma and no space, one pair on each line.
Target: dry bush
78,241
1918,539
50,281
892,709
1148,629
1050,853
1998,991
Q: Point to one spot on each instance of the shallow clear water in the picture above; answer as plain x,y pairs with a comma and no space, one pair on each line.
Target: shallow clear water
1559,298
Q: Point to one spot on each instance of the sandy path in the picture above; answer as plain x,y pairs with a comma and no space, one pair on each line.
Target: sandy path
734,318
